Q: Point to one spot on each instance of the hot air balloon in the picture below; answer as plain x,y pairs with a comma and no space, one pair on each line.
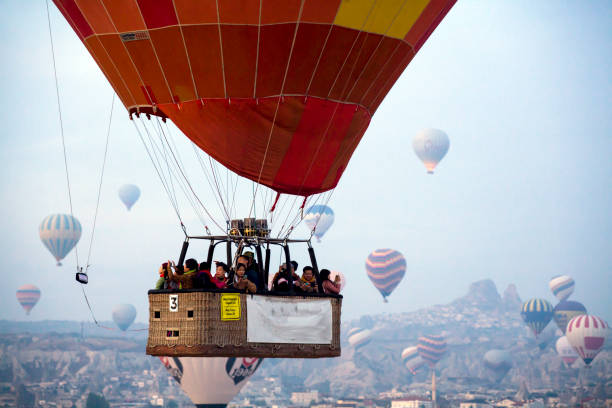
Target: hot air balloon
27,296
546,337
277,92
124,315
211,382
566,351
386,268
412,360
499,362
129,194
587,334
332,277
319,218
430,145
537,313
561,286
432,348
358,337
60,233
565,311
295,82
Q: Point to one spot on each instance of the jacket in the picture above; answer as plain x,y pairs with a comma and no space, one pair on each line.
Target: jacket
186,280
245,284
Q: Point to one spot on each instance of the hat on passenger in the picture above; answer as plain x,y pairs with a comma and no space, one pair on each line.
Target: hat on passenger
249,254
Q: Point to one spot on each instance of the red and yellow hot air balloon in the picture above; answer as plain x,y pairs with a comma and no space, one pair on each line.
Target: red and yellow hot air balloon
293,83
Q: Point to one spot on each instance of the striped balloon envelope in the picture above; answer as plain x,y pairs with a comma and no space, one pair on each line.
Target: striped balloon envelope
537,313
432,348
358,337
385,268
565,311
60,233
295,82
318,219
27,296
566,351
561,286
587,334
412,360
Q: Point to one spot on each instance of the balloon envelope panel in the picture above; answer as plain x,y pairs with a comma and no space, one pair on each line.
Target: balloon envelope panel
587,334
386,269
124,315
297,83
537,313
59,233
319,218
566,351
358,337
562,286
28,296
211,381
431,145
565,311
129,194
432,348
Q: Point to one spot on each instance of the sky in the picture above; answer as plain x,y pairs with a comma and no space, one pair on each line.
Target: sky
522,88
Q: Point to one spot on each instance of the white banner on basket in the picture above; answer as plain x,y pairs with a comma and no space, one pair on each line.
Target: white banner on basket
289,320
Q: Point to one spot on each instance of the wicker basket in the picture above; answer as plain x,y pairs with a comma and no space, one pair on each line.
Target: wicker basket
196,328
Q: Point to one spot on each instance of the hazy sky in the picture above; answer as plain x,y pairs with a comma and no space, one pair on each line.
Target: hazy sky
522,88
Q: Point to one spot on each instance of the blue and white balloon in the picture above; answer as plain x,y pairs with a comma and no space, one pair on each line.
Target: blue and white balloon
124,315
319,218
129,194
430,145
60,233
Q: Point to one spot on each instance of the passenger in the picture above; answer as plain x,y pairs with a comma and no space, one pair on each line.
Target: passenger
220,278
241,282
308,281
162,282
280,282
186,279
252,268
329,287
203,277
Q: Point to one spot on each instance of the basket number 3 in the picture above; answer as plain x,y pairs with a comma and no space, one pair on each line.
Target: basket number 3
174,303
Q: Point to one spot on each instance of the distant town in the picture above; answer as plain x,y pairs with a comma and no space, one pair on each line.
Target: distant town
64,364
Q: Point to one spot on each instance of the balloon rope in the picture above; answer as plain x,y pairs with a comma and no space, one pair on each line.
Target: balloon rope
59,109
93,229
280,98
96,321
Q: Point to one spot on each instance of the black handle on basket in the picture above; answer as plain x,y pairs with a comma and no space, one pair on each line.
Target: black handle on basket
183,253
267,268
211,251
288,268
315,268
229,261
260,272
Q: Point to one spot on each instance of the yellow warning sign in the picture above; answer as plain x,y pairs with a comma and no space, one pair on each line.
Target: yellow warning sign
230,306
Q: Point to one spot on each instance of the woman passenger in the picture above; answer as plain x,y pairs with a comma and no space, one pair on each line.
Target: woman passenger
329,287
241,282
220,279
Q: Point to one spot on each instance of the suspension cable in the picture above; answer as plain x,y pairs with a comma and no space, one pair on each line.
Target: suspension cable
59,110
93,229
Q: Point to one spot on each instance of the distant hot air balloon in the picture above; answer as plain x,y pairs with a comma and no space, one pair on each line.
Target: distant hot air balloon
211,382
432,348
386,268
430,145
565,311
319,218
333,275
587,334
60,233
537,313
412,360
129,194
358,337
27,296
546,337
561,286
566,351
499,362
124,315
